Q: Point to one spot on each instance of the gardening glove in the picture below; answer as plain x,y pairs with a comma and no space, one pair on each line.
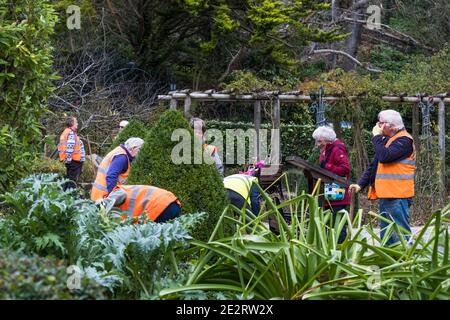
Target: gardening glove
67,161
354,188
377,130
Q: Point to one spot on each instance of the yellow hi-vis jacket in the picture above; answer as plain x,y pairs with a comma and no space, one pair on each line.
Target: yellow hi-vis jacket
240,183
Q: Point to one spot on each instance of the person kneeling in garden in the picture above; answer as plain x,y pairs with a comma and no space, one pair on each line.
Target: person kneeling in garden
114,169
160,205
242,190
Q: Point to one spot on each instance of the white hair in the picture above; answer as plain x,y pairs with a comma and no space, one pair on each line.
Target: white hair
133,143
324,132
123,123
393,118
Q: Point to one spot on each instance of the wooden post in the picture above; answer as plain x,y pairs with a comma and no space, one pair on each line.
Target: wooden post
441,121
257,121
416,127
275,151
173,104
187,106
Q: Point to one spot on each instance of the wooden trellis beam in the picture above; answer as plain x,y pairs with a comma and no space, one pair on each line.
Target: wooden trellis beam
292,97
283,97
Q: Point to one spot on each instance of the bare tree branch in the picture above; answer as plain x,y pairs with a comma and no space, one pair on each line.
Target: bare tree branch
330,51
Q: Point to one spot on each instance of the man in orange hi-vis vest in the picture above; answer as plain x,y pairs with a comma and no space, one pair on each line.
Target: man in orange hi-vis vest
390,176
158,204
71,152
114,169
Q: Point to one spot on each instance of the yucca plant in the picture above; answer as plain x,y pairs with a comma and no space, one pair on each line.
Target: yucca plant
305,261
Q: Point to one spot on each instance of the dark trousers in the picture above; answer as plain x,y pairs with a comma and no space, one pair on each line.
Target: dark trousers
73,174
239,201
335,210
236,199
171,212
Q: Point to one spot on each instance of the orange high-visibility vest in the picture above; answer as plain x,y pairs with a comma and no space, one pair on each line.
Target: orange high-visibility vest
99,188
396,179
150,199
210,149
62,146
371,194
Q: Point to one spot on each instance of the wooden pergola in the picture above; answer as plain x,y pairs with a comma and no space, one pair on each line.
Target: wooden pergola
279,98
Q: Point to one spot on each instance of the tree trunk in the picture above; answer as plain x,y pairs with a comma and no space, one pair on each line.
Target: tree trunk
352,43
361,157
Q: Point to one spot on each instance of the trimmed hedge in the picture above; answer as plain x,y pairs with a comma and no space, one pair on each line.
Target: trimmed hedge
33,277
198,186
295,139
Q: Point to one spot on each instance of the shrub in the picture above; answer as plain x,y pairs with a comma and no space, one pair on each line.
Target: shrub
141,256
198,186
43,217
133,260
25,82
134,129
34,277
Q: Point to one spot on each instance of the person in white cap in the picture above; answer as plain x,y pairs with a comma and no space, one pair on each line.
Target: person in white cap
123,124
95,158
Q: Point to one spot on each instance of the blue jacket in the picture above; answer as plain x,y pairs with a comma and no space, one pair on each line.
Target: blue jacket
398,150
118,165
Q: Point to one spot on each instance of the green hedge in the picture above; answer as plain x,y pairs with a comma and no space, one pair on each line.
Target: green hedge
295,139
33,277
198,186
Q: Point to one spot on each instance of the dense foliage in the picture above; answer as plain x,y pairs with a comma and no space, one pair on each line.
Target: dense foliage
33,277
127,260
303,259
25,82
43,220
199,187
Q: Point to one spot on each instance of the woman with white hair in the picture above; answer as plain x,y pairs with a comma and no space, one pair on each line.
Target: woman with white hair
334,158
115,168
390,176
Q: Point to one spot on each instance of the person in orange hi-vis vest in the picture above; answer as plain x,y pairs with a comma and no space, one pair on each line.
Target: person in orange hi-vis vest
390,176
199,127
114,169
71,152
159,205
